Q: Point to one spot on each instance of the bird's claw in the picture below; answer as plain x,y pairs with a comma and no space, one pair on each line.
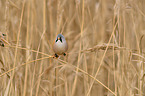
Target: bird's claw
64,54
56,55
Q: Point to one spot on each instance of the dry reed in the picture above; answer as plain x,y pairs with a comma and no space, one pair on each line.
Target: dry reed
106,50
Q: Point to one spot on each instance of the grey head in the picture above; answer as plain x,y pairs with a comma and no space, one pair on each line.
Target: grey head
60,37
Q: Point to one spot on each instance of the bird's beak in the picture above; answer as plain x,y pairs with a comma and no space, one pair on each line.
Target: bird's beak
58,38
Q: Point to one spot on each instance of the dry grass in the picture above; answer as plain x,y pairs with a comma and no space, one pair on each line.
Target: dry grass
106,48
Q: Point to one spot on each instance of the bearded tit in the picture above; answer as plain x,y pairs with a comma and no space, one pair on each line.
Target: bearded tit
60,46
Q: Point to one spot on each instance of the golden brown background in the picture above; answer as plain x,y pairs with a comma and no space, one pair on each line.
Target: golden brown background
106,48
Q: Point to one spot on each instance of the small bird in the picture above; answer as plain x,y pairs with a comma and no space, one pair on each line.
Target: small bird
60,46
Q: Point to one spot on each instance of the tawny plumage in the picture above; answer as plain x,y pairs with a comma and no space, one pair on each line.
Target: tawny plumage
60,46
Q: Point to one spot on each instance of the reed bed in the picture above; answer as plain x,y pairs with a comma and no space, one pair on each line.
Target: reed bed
106,48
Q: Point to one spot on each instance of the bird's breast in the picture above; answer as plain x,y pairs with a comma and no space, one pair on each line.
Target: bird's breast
60,47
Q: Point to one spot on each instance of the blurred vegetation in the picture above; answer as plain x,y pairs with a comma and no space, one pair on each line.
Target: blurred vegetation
106,50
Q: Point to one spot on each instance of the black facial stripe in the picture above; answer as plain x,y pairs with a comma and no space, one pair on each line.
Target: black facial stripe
60,39
57,39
